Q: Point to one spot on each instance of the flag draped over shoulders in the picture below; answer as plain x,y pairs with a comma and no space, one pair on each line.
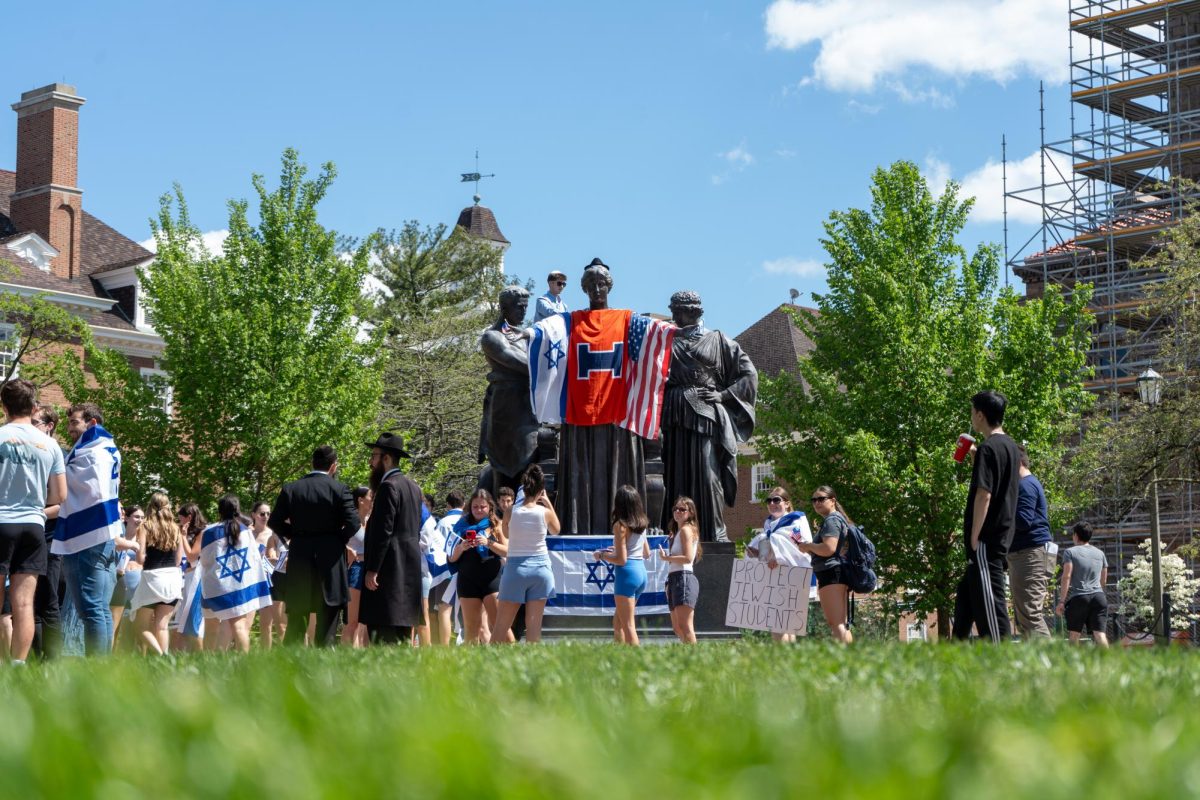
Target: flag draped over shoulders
234,579
548,368
91,514
600,367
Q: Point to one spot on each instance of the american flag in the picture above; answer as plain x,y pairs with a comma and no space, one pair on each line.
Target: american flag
650,353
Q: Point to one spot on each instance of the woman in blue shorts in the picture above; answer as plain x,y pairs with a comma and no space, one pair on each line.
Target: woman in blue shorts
527,577
629,552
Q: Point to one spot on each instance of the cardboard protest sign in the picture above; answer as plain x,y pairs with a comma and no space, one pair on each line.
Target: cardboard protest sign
767,599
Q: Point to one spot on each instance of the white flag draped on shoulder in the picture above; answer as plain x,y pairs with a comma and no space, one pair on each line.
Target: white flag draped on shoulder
189,618
548,367
91,514
233,580
584,586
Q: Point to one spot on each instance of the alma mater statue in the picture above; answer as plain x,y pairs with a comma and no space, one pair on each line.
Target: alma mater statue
708,408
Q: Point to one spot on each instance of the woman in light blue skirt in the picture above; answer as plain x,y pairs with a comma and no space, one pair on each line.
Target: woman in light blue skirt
527,577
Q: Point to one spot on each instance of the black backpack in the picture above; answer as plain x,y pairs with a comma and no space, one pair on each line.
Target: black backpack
858,561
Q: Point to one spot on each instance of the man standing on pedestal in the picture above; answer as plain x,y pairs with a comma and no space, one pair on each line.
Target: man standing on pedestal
708,408
316,517
551,302
391,602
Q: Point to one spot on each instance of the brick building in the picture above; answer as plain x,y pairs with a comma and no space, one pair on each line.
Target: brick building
57,250
774,344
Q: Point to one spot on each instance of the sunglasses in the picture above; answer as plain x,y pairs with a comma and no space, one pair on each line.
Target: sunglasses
775,499
560,283
819,498
680,509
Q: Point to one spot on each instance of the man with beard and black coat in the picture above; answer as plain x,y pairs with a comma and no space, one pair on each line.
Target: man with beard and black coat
391,602
316,517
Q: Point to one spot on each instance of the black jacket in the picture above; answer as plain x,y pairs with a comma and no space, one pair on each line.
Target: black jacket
316,516
393,549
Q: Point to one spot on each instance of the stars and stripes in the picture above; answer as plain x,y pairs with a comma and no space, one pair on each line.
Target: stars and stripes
650,343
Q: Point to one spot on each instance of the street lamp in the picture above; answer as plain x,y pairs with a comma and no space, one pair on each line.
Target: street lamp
1149,385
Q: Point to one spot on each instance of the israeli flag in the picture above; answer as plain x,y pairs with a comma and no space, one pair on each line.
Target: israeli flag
548,367
91,514
189,618
584,586
234,580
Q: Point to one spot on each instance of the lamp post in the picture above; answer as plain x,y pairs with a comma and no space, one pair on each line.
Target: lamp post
1149,385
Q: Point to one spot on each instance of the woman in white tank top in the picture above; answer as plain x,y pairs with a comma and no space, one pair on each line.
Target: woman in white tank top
683,589
527,577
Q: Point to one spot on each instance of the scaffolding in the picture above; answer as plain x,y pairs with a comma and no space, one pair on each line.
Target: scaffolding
1104,202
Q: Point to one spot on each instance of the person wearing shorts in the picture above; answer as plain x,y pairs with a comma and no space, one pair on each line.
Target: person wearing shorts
1083,602
683,589
828,551
32,477
477,543
527,578
629,553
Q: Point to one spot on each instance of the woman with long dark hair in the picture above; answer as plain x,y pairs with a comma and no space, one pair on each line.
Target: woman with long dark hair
477,546
682,551
527,577
232,575
185,634
828,551
629,553
161,587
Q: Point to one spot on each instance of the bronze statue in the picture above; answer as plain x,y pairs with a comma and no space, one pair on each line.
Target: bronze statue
508,438
708,408
595,460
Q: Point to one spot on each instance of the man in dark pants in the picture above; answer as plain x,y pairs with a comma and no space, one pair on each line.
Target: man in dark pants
989,523
391,600
316,517
47,628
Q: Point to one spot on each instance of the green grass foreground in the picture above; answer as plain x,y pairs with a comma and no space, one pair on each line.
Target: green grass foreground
743,719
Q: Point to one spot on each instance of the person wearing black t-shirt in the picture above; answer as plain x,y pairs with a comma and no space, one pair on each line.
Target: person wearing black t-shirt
989,523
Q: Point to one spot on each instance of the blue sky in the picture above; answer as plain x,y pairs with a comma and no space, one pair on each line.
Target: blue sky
688,144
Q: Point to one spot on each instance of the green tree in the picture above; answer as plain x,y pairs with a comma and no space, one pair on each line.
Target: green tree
911,328
440,293
42,330
265,347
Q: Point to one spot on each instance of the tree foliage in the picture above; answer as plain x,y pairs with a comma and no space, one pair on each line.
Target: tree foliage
911,327
440,293
43,330
264,344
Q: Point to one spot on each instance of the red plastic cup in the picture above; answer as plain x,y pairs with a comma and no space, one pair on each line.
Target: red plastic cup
965,440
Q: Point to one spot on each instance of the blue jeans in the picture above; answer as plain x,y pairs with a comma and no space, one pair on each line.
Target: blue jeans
91,575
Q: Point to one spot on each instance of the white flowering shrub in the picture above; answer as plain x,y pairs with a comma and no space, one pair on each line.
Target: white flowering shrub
1178,581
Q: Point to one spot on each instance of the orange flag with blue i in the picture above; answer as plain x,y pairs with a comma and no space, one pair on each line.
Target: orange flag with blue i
598,367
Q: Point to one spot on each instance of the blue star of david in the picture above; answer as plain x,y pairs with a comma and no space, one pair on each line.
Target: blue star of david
234,564
593,568
555,354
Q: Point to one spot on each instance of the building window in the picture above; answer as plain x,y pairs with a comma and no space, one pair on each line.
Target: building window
916,632
762,480
10,344
162,388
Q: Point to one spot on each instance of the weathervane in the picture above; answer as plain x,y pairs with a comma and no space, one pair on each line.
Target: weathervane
475,177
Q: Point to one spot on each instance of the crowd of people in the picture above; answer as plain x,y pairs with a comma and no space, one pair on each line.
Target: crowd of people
328,564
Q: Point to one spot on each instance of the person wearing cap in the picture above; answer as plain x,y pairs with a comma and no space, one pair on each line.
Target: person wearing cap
391,600
551,302
316,517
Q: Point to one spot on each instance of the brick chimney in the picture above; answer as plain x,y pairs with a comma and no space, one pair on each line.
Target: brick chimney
47,201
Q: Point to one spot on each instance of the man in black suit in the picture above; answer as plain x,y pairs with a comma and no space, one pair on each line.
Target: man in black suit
316,516
391,604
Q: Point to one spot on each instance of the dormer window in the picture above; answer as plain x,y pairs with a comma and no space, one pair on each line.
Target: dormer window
34,249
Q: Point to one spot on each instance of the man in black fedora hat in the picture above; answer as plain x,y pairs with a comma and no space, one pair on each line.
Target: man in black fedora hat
316,516
391,600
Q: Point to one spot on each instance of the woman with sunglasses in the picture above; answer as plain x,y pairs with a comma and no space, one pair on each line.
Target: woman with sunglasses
784,533
827,553
682,551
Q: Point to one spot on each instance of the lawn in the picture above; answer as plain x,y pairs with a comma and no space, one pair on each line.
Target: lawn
742,719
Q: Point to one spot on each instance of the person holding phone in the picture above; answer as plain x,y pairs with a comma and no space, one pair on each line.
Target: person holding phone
527,577
478,546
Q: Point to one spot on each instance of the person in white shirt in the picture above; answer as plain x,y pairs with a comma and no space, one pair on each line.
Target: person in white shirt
551,302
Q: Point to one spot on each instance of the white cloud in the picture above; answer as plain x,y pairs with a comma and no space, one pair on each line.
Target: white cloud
213,240
937,172
736,160
784,152
986,185
865,43
864,108
804,268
